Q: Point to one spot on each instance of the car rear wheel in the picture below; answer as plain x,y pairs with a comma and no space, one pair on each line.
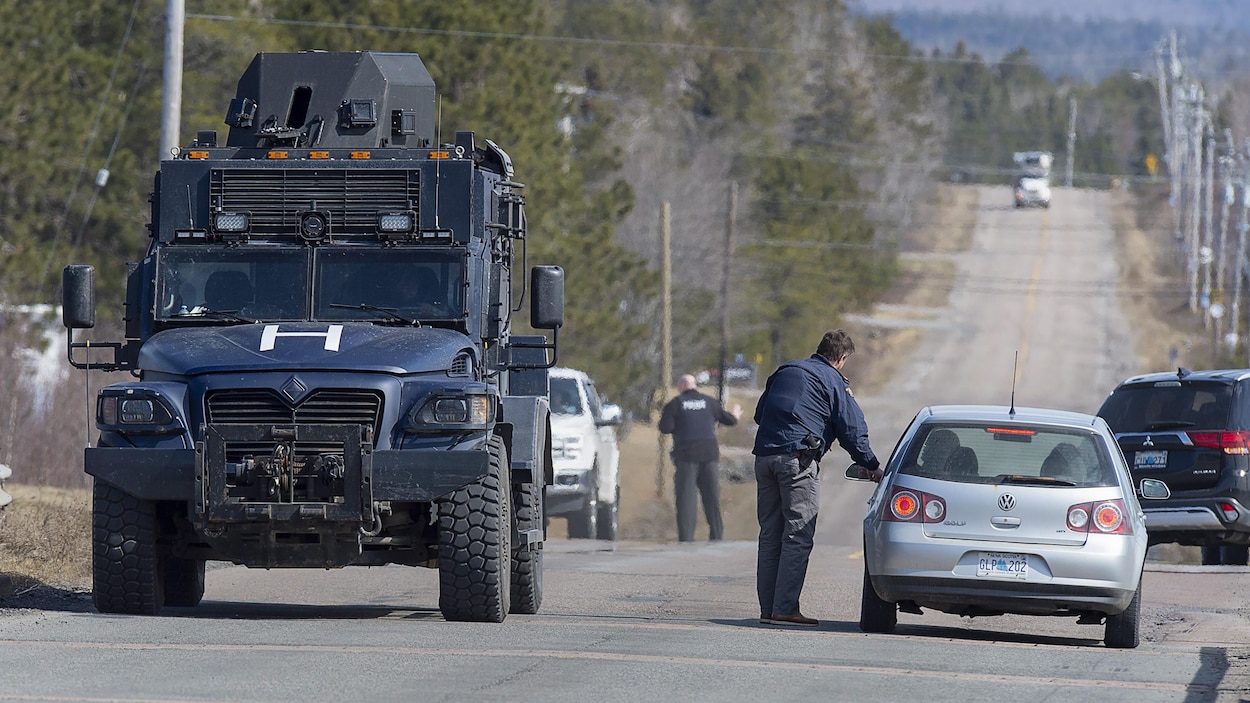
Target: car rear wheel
875,614
1122,629
1229,554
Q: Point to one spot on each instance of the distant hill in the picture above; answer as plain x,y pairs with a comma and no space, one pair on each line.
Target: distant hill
1083,39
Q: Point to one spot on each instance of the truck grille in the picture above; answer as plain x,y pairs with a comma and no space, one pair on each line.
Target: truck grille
274,198
322,407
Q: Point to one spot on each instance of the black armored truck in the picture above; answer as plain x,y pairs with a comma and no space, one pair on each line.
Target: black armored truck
320,338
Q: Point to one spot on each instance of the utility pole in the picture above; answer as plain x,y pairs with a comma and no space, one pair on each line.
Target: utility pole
1239,256
1071,138
1228,194
666,334
1195,189
727,258
1208,206
171,97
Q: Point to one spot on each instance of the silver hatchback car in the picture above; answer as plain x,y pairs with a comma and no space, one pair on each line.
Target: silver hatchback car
986,510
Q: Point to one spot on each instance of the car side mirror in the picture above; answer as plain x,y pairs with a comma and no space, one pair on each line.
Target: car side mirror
1154,489
547,301
856,472
609,414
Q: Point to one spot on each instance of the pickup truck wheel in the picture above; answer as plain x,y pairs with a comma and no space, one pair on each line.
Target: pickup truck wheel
608,518
584,524
184,582
475,546
126,573
527,564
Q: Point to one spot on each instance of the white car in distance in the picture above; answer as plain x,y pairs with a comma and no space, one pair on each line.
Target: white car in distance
586,457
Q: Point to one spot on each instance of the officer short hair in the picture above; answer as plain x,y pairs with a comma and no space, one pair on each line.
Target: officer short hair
835,345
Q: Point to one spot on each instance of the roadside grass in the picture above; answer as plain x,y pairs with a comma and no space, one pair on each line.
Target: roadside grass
45,539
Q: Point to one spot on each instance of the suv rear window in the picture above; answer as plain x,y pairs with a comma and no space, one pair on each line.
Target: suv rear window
1168,405
978,453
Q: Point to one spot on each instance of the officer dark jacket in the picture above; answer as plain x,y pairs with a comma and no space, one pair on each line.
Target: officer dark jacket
810,397
691,418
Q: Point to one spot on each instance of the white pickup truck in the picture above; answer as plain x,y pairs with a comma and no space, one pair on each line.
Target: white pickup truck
5,498
586,455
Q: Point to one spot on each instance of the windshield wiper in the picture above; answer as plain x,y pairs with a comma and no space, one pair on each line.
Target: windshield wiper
388,313
1032,480
201,311
1168,425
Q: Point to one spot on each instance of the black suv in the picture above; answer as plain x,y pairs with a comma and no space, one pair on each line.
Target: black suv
1190,429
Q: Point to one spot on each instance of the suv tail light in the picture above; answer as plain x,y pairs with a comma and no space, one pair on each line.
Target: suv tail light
1107,517
1228,442
1229,510
906,505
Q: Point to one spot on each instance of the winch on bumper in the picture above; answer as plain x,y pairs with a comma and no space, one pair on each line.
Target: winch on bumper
288,495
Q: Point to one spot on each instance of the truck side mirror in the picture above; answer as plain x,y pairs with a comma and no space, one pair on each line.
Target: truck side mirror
547,302
78,297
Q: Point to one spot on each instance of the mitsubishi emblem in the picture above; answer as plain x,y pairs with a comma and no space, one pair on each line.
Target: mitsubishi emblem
1149,442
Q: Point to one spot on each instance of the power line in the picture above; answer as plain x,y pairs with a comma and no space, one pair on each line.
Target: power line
917,57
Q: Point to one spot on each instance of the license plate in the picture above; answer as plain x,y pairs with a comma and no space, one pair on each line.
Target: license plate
1156,459
1001,565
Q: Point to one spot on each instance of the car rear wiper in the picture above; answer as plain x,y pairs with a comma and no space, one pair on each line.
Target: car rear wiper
1168,425
1032,480
201,311
388,313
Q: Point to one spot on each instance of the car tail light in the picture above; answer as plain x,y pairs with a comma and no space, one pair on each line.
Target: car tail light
1228,442
1229,510
907,505
1100,517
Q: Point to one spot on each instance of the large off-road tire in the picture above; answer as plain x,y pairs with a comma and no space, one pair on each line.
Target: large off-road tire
875,614
584,524
608,520
475,546
126,573
527,564
184,582
1122,630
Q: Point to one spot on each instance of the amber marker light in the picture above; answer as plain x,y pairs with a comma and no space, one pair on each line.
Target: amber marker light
318,154
440,154
197,155
276,155
360,155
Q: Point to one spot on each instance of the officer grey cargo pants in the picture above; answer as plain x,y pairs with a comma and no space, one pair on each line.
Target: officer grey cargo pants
787,500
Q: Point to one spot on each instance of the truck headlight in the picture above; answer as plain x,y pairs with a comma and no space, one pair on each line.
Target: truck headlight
473,410
134,411
396,222
234,222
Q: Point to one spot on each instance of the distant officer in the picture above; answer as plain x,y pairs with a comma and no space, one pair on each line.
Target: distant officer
691,418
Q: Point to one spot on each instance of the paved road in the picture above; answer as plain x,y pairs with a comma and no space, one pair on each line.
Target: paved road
650,622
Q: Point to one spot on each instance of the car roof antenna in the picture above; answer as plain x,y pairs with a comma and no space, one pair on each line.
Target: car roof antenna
1015,367
1182,372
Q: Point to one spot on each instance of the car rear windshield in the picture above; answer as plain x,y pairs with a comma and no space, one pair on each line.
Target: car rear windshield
981,453
1168,405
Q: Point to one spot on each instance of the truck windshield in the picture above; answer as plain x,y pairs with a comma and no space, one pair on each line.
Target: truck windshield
268,283
250,282
415,284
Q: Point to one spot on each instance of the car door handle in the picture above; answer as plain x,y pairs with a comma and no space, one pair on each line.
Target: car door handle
1002,521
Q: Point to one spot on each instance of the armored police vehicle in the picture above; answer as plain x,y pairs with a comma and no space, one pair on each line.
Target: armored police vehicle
321,340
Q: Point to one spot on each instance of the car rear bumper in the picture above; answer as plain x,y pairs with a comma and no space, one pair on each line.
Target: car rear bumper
982,597
1100,575
1198,522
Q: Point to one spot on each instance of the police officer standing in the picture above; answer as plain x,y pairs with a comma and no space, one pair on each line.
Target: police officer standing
806,405
691,418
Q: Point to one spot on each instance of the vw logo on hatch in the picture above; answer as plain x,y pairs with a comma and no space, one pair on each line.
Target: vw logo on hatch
1006,501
